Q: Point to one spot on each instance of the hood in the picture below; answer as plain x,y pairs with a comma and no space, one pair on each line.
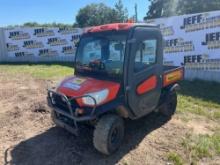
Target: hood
77,86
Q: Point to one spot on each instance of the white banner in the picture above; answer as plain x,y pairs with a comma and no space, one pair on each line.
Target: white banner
191,39
41,42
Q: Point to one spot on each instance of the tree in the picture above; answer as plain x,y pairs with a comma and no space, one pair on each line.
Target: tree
155,9
162,8
197,6
54,24
121,12
95,14
167,8
31,24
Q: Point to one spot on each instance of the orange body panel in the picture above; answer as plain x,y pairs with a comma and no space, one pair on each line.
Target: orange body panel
172,77
147,85
79,86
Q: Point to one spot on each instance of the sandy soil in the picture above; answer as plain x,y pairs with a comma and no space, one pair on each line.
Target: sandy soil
28,136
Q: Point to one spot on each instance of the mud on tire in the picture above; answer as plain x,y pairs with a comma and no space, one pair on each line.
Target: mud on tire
108,134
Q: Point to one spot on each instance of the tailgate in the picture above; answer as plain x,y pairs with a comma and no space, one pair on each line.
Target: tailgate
173,75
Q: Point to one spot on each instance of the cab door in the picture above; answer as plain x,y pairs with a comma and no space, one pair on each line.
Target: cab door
144,70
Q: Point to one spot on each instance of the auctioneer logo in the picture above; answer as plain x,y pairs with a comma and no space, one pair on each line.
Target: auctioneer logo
75,38
68,50
199,58
18,35
56,41
22,54
47,52
31,44
200,22
42,32
178,45
212,40
12,47
68,30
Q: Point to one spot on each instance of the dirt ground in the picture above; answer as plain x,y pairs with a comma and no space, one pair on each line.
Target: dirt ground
28,136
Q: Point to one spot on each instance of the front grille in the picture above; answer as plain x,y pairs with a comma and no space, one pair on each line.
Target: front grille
62,105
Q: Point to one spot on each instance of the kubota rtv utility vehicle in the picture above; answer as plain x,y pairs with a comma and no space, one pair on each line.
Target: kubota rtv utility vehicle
119,74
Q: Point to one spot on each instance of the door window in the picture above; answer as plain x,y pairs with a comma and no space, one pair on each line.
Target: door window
145,54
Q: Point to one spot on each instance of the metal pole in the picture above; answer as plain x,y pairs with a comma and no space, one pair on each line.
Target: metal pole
3,49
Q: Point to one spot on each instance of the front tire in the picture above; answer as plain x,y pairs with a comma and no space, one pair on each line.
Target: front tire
169,107
108,134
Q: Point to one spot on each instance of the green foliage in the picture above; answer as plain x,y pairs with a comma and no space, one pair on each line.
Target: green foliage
48,25
167,8
200,146
197,6
41,71
95,14
54,24
121,12
175,158
155,9
98,14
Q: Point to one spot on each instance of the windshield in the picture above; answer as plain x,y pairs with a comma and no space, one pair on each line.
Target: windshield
101,54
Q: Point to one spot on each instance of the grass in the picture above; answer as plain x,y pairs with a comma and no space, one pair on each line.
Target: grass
200,98
41,71
197,97
200,146
175,158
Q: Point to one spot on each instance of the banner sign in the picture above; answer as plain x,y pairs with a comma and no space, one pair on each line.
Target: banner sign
191,39
41,42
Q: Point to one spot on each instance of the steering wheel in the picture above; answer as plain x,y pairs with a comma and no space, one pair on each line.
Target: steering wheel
97,64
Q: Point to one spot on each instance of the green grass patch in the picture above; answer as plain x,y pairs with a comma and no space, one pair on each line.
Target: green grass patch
202,91
41,71
200,146
200,98
175,158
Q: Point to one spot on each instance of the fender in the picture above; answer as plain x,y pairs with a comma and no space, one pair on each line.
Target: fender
172,88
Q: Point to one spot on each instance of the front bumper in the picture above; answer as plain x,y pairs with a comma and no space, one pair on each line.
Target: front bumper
67,116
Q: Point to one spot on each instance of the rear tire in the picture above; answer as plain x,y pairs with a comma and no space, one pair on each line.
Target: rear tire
108,134
169,107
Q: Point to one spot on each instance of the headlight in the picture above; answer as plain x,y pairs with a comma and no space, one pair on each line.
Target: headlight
99,96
